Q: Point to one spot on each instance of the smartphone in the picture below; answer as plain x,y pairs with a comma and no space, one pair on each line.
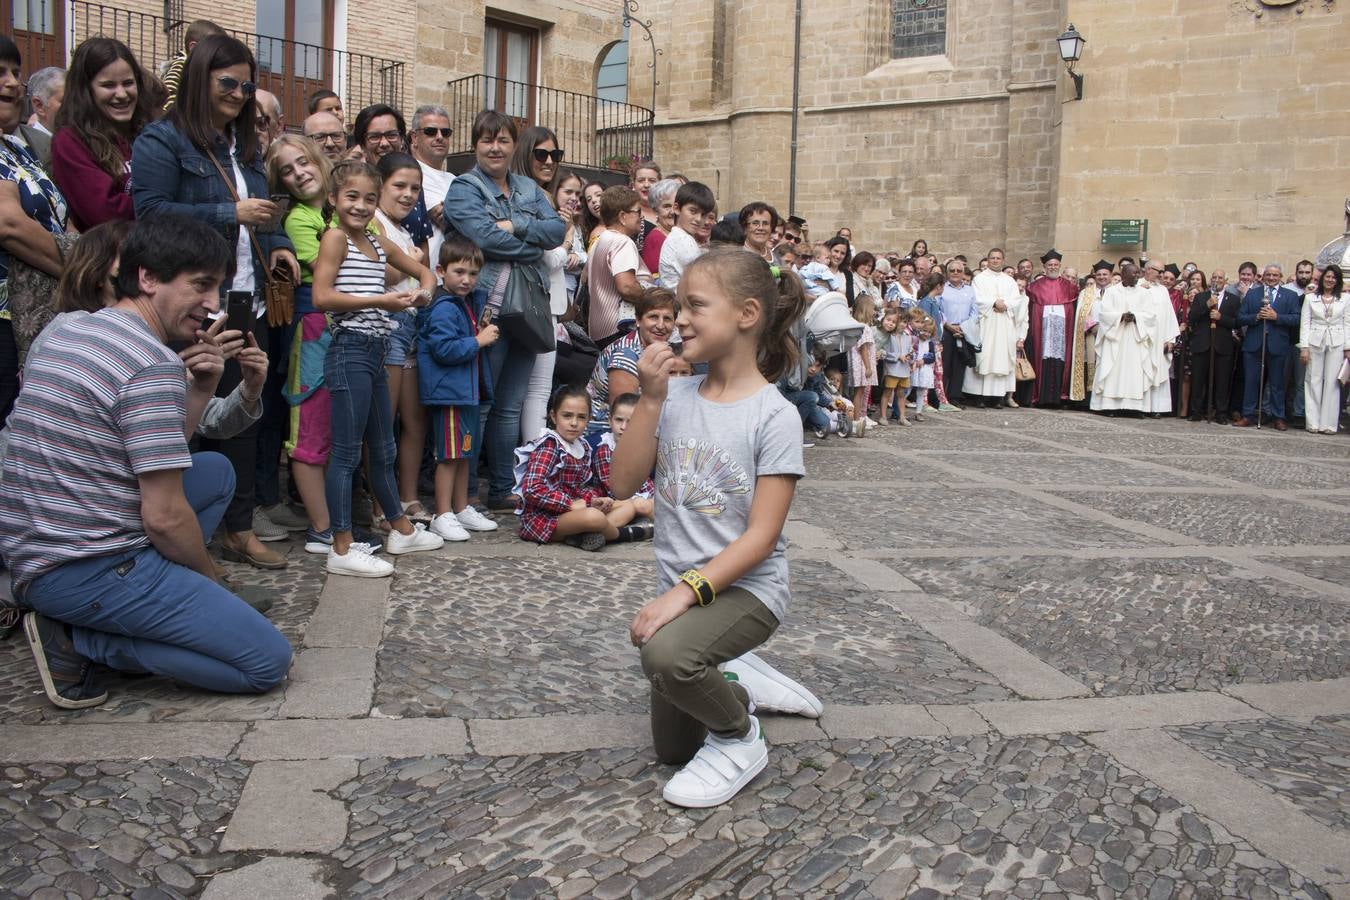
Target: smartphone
239,310
486,319
283,202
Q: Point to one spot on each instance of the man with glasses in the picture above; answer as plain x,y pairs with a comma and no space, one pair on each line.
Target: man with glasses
958,310
1270,311
269,119
430,139
325,129
379,130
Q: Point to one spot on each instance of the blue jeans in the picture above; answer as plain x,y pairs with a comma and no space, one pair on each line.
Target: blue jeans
353,372
138,612
808,405
500,417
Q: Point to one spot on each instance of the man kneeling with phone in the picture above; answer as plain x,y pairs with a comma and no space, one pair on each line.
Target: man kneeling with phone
104,509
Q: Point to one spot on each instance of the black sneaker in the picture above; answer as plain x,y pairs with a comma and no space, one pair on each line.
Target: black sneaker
67,677
501,504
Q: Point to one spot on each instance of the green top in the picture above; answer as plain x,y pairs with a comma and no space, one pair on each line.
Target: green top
305,226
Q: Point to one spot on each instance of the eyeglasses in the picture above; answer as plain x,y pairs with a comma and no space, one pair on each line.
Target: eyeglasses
329,137
542,156
383,137
636,212
229,84
432,131
791,238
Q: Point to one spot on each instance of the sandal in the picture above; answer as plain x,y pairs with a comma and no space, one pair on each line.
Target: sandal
416,512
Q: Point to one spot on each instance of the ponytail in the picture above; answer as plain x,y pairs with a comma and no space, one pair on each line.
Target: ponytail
782,297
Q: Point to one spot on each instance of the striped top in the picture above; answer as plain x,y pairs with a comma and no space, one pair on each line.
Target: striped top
361,276
103,401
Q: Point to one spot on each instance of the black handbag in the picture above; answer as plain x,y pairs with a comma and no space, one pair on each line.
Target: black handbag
521,297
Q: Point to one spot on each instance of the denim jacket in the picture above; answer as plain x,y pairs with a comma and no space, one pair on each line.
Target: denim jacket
169,174
474,205
449,360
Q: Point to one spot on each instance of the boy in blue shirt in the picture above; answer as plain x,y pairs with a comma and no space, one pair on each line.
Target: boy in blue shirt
452,383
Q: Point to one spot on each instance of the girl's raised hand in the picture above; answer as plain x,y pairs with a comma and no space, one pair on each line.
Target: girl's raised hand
654,368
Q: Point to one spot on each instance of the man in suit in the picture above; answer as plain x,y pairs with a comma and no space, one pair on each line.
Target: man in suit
1270,312
1212,318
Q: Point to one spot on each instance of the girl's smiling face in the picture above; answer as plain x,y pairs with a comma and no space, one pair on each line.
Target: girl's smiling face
400,192
355,201
571,417
113,91
298,173
890,322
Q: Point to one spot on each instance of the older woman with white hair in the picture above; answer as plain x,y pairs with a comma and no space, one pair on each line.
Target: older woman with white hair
661,196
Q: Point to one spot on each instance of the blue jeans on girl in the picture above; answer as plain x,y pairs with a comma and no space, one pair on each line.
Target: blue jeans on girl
138,612
353,372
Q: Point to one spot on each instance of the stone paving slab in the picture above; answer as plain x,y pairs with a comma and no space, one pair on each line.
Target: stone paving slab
81,742
1050,468
1124,626
1152,447
1335,570
924,437
522,649
1230,518
869,467
1293,699
1306,764
975,516
151,827
974,816
1278,474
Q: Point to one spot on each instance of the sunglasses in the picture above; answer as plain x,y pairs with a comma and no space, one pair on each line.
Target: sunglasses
432,131
545,155
228,84
791,238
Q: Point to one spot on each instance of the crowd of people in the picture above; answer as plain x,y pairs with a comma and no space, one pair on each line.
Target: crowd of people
218,329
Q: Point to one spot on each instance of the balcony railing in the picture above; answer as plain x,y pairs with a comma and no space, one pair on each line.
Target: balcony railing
593,132
289,69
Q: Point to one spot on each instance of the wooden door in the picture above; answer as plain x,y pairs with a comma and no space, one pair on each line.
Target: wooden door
295,58
38,29
510,64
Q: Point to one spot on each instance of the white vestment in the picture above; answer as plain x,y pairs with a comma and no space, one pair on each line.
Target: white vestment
993,374
1124,359
1165,332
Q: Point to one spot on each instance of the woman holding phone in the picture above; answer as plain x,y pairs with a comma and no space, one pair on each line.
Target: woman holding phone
204,160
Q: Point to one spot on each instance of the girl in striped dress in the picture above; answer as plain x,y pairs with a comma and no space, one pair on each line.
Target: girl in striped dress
349,284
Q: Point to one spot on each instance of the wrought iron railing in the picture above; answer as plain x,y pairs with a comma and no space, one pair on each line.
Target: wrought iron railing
290,69
593,132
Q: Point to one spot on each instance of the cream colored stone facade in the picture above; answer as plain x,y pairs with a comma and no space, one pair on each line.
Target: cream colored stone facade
1225,124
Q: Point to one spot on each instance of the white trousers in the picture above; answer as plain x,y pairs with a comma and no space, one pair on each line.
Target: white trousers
534,409
1321,390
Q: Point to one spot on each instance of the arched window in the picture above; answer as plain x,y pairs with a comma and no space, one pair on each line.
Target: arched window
918,28
611,81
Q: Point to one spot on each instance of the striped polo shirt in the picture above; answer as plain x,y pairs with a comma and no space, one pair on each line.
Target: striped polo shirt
103,401
361,276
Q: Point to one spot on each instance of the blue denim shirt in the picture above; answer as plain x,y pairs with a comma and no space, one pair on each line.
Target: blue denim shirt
474,206
168,173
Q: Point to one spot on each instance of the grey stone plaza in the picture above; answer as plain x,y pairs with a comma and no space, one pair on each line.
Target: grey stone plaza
1060,655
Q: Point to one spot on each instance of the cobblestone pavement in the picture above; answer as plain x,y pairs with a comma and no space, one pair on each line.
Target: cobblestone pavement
1062,655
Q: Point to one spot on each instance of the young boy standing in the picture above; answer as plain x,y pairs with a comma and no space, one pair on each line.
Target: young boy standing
452,383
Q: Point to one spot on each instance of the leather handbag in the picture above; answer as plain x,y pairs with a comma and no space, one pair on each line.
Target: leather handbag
1024,370
521,298
278,286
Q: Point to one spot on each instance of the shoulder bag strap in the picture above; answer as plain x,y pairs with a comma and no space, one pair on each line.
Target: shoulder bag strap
229,184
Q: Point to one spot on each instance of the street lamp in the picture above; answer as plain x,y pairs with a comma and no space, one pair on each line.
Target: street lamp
1071,50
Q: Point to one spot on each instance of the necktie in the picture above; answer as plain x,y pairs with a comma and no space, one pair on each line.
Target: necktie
1270,296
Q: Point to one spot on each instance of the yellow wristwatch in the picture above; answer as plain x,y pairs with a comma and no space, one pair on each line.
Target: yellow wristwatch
701,586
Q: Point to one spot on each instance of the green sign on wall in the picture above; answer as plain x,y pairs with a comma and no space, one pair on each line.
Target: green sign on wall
1125,231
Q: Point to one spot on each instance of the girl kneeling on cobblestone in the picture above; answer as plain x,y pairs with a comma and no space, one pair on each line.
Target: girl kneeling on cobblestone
727,451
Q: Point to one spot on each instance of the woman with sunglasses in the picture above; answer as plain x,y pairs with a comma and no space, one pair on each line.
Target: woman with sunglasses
203,160
539,159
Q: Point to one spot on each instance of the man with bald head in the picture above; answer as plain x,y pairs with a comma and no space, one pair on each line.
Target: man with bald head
270,120
326,131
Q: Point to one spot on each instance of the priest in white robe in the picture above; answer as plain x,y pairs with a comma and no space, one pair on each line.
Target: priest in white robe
1002,324
1126,325
1158,399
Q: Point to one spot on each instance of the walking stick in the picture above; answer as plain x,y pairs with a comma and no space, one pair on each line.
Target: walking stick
1261,381
1214,409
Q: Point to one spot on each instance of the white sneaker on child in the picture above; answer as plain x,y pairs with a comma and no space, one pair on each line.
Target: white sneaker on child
448,527
769,689
420,539
359,562
473,520
719,770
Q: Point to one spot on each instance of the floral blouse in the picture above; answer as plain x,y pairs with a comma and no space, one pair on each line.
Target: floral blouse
40,198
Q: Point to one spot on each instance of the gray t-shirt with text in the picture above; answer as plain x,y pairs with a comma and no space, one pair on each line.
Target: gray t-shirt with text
707,458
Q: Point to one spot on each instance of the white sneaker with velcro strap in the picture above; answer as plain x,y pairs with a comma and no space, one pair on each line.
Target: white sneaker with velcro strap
769,689
719,770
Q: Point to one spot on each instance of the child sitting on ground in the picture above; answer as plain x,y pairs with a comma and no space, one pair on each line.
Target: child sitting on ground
816,383
554,479
452,383
620,412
